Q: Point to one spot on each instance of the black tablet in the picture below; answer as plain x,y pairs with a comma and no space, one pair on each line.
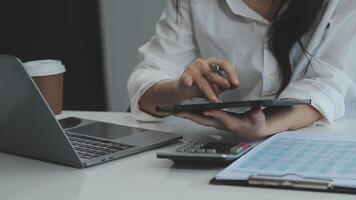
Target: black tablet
232,104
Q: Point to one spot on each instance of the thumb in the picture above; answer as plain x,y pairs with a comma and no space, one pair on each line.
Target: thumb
256,112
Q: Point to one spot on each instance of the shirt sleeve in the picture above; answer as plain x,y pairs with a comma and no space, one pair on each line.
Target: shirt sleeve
165,56
330,78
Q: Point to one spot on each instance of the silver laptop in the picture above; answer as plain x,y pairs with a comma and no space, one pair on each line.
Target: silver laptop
29,128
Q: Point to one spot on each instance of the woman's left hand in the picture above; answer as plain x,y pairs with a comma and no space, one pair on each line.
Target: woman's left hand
250,125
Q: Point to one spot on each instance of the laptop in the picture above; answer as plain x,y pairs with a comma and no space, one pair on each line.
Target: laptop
29,128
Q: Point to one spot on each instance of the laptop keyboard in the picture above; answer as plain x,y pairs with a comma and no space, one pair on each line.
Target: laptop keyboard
90,148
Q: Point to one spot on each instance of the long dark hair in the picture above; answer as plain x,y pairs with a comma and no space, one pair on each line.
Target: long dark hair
292,20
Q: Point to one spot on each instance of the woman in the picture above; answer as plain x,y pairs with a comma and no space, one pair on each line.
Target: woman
299,49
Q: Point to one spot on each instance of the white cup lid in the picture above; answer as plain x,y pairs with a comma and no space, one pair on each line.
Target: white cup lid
40,68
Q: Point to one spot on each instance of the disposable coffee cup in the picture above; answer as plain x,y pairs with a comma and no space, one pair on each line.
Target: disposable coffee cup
48,76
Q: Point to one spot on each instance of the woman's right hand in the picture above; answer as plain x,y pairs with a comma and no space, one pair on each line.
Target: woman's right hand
199,80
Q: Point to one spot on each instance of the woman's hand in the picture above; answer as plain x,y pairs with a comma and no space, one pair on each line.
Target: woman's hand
250,125
258,123
199,80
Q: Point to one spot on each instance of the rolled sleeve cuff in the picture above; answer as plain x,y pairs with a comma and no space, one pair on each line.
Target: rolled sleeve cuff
137,90
326,100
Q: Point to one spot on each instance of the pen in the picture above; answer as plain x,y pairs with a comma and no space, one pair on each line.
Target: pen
215,68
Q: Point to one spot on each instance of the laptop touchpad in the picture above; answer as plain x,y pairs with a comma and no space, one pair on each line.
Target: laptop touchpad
105,130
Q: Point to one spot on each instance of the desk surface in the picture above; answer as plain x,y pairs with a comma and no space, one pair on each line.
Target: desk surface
136,177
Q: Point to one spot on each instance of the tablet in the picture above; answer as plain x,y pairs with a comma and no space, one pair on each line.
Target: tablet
232,104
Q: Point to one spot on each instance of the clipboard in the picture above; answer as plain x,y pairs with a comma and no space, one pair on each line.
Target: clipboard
322,177
277,183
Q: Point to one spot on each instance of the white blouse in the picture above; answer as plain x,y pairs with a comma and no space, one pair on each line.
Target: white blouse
229,29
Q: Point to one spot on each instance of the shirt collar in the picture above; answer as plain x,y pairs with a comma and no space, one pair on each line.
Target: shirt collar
240,8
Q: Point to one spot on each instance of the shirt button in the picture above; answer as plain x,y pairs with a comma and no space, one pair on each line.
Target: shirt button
271,77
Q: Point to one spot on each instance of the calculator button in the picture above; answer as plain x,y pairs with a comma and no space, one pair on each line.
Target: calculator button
245,146
190,150
211,151
180,150
236,150
201,151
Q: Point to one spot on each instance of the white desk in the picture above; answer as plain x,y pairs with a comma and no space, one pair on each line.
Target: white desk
136,177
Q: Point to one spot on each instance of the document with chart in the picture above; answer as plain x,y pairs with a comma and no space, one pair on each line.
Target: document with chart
312,161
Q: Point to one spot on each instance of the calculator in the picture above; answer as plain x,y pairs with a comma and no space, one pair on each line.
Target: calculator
211,152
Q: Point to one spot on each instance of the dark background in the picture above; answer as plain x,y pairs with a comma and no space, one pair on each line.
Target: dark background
68,30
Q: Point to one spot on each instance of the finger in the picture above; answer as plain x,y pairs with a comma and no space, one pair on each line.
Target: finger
256,114
187,80
228,68
210,76
216,89
216,79
205,121
256,109
229,121
205,88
